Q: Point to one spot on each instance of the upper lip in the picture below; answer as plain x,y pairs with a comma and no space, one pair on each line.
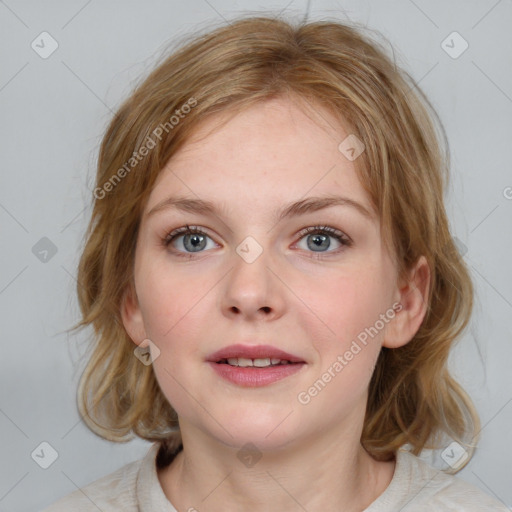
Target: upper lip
253,352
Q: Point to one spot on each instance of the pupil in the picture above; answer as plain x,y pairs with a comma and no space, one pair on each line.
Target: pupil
317,241
195,241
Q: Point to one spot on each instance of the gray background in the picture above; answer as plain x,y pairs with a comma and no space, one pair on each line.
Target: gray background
53,114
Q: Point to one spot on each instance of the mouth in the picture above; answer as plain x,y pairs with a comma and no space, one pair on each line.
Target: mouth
254,366
266,362
259,356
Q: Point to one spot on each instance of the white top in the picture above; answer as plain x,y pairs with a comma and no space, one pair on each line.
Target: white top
415,487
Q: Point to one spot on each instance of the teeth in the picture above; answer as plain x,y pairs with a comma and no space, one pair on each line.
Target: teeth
259,363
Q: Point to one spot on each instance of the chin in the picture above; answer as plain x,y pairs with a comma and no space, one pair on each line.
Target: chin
270,429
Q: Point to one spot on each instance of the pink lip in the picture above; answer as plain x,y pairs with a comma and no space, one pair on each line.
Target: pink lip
253,376
252,352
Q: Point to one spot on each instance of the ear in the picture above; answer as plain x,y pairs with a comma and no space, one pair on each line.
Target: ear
132,317
412,296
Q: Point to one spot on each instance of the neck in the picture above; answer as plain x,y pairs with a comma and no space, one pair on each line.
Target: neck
327,472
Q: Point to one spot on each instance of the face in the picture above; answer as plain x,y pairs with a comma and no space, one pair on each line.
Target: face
311,283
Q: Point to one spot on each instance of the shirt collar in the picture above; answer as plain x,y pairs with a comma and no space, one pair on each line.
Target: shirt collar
150,495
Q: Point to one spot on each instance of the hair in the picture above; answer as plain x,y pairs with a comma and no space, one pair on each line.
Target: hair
412,398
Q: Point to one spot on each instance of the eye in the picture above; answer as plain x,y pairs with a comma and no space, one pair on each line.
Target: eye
192,239
188,240
317,238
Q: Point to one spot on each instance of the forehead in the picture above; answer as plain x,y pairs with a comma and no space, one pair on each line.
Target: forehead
270,153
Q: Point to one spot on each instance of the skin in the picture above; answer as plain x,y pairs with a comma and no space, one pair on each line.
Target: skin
309,302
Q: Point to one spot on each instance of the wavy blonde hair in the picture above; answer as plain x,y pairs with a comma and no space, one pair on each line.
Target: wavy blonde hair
404,169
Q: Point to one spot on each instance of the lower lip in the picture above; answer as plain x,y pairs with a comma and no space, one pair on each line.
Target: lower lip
251,376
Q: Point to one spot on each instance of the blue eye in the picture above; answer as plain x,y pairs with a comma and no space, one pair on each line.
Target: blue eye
318,238
194,240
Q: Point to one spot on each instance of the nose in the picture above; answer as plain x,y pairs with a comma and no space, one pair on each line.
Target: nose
252,290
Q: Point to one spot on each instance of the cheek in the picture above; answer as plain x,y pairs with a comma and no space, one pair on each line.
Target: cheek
177,313
344,325
169,301
176,319
344,307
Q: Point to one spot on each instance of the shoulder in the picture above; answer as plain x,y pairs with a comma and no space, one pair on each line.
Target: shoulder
111,493
420,487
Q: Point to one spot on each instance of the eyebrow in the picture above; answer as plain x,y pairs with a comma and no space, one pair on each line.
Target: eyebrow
301,207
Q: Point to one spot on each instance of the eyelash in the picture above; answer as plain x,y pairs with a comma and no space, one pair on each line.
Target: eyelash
344,240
